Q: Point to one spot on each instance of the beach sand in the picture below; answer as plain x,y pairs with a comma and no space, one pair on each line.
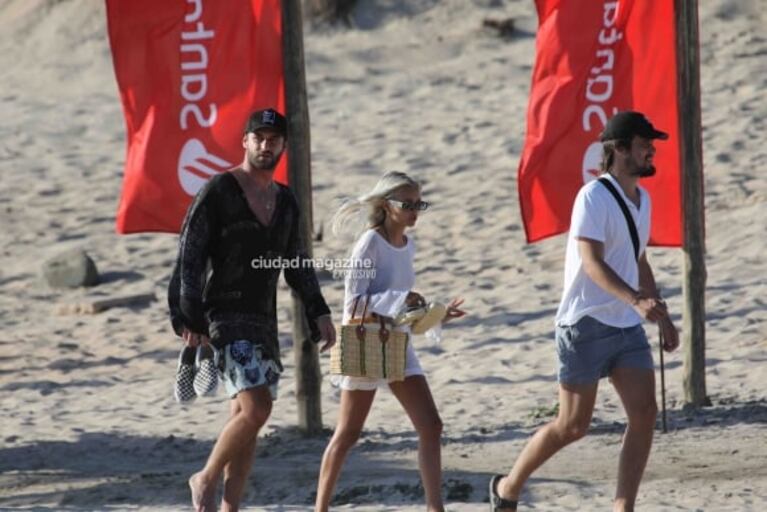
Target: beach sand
88,417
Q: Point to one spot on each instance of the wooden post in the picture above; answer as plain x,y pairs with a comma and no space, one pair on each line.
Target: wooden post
308,377
688,86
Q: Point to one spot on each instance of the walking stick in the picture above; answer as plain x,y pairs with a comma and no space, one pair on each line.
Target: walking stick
662,380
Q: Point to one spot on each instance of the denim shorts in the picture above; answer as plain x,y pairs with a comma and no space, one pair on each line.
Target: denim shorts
590,350
243,366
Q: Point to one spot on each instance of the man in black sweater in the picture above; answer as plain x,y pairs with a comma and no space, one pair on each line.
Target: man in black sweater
241,230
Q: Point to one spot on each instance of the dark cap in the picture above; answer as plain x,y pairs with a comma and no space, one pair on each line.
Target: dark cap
624,125
267,119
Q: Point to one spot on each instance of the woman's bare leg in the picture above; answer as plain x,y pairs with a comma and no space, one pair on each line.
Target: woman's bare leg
415,396
355,405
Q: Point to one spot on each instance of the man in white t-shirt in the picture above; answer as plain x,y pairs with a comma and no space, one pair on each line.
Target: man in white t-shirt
609,290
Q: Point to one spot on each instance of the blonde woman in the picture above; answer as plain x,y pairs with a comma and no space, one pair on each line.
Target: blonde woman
393,207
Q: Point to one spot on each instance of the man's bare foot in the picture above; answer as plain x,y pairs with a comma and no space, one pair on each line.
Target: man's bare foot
203,494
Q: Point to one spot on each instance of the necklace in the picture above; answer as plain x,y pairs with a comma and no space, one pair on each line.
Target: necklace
266,197
257,198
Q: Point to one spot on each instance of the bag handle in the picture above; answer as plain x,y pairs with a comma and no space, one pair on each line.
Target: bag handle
360,330
354,308
629,221
383,332
356,303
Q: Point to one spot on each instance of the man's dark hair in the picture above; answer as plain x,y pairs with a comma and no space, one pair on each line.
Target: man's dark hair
608,152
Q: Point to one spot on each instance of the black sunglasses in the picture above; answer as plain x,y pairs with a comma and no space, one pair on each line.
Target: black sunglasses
407,205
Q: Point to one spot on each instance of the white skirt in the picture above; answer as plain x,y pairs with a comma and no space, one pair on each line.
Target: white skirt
412,367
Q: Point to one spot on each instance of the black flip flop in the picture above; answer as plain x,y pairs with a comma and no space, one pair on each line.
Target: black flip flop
496,502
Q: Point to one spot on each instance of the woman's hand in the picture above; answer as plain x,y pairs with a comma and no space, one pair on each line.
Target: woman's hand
415,300
453,310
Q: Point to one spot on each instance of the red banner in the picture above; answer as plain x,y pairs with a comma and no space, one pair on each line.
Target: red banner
593,59
189,73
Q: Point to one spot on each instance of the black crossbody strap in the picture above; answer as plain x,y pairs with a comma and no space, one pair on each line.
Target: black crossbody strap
625,209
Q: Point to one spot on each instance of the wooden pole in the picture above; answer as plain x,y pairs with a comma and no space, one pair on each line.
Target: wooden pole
662,381
688,85
308,376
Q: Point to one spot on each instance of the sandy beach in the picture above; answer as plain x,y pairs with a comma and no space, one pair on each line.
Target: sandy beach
88,417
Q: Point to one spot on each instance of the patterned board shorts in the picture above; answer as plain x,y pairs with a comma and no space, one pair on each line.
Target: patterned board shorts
243,366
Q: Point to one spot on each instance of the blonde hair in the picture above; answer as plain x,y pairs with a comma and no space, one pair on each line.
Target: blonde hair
349,216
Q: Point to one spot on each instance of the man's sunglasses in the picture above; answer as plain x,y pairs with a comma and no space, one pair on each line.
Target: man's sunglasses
407,205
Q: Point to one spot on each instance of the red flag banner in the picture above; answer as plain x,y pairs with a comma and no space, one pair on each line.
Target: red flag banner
189,73
594,59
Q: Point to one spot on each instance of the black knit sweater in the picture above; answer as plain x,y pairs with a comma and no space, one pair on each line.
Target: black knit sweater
217,289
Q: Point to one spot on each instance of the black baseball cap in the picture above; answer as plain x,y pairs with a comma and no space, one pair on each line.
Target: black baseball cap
268,119
624,125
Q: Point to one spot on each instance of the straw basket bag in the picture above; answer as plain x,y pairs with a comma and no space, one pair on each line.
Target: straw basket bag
368,348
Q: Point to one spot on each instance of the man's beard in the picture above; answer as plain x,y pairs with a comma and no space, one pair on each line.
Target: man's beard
266,164
646,172
643,171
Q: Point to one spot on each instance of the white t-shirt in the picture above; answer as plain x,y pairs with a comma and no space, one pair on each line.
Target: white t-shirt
388,288
393,277
597,216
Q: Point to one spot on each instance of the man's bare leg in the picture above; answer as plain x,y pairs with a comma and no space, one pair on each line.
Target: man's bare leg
576,405
236,471
255,406
636,388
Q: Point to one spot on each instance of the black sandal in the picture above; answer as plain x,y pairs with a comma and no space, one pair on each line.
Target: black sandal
496,502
